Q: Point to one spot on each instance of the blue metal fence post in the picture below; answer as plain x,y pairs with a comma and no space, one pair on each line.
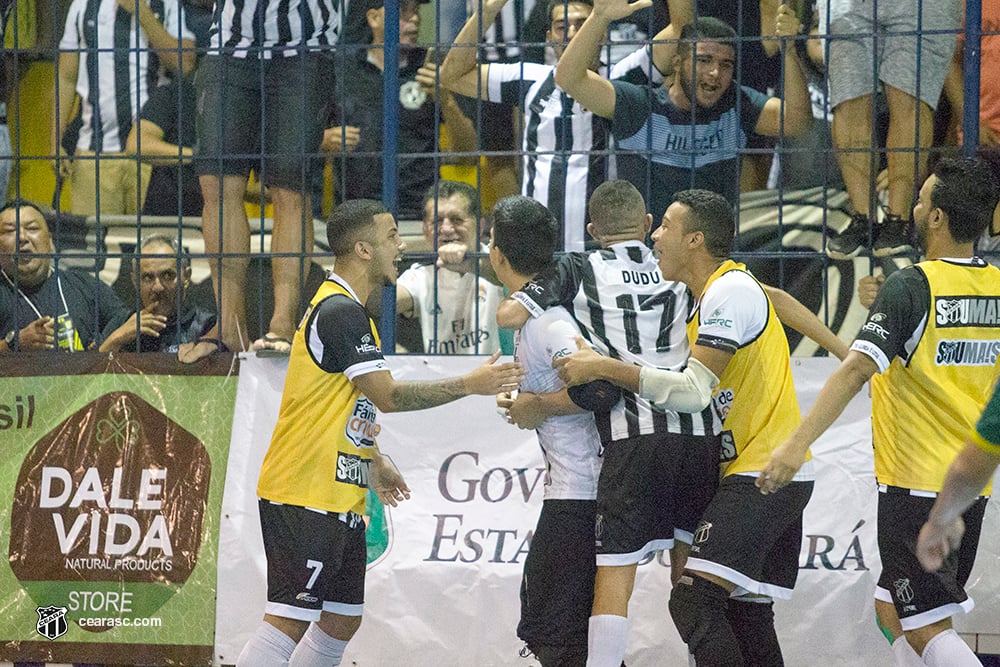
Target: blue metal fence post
390,154
971,65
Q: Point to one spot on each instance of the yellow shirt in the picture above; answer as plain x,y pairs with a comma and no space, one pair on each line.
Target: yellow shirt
927,401
320,452
756,396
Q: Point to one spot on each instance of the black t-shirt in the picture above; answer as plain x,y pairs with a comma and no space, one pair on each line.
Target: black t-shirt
172,108
192,325
359,102
91,304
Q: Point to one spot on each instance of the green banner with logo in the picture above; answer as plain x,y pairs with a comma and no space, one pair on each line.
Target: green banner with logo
111,479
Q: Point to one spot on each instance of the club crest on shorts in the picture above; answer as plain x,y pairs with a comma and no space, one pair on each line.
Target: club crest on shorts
904,592
701,534
51,622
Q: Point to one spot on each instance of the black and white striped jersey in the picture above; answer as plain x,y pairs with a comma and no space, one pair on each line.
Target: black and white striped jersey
265,28
502,40
116,69
628,311
564,146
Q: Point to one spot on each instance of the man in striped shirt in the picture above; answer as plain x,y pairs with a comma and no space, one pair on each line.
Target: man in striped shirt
660,465
660,468
564,144
260,46
110,56
745,550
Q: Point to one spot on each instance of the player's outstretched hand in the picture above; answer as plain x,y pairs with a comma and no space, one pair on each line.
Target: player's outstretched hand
387,482
785,461
937,541
492,378
580,367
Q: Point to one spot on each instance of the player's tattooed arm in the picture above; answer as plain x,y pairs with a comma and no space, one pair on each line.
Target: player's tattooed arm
390,395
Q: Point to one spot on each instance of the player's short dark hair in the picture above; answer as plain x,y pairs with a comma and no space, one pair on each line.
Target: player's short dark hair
552,4
447,189
705,29
967,191
525,232
712,215
348,223
616,207
19,203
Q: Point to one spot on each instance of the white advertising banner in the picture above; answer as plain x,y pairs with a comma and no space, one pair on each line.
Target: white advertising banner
442,588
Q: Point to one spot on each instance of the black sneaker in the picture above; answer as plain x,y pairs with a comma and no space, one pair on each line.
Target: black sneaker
894,237
848,243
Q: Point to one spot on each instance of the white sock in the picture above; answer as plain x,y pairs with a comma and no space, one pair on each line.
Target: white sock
317,649
268,647
904,653
607,640
947,649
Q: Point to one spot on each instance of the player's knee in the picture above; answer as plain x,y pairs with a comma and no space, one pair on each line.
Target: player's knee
698,608
339,626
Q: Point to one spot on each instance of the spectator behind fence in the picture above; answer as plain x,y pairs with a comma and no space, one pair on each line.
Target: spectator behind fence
43,307
455,304
162,275
690,132
110,65
164,137
198,18
360,104
239,130
757,68
563,143
910,65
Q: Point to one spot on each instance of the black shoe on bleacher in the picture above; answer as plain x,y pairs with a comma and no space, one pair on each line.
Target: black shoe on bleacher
894,237
848,243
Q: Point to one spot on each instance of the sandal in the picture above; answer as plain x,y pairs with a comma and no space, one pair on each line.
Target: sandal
272,346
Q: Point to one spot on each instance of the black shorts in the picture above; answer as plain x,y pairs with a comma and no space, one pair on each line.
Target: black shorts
920,597
264,114
652,490
557,589
315,561
750,539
